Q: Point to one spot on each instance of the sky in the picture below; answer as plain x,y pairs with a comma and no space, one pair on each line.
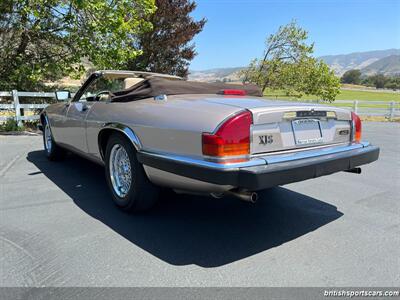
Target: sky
236,30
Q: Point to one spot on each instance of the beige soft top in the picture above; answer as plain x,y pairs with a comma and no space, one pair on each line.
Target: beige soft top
155,86
138,74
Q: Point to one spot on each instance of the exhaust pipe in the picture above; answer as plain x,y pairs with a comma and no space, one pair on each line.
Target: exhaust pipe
244,195
354,170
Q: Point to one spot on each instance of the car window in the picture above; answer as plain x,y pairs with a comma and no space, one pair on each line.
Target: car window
101,85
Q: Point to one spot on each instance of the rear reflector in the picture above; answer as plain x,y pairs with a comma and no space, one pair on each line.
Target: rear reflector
233,92
356,127
231,139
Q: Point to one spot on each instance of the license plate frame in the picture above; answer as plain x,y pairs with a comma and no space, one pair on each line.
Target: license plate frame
307,131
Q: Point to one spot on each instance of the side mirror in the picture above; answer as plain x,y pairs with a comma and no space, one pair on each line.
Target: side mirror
63,95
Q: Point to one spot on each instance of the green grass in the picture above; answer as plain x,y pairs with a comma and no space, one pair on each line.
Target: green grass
344,95
385,97
368,96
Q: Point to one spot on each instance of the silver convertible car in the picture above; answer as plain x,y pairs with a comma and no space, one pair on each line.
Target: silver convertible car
152,131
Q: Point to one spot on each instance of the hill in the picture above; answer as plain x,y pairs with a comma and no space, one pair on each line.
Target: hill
389,65
212,75
357,60
369,62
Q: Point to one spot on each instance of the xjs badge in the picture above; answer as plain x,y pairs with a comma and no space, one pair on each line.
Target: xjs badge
266,139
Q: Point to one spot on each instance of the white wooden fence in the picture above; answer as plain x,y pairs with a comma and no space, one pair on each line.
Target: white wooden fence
387,109
19,109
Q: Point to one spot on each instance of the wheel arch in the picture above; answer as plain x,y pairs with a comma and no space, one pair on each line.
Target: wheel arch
108,129
43,118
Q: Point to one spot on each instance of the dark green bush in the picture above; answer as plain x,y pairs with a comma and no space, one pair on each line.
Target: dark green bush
10,125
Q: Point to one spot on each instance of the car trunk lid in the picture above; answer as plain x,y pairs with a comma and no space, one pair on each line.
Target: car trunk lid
280,126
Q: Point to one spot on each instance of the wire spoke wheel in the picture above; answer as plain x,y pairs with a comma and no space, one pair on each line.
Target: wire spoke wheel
130,188
47,138
120,170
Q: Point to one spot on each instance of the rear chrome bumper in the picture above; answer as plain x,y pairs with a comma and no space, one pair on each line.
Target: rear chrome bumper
269,170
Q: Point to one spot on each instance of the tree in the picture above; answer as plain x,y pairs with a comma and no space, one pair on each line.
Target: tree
288,64
167,47
393,83
379,81
351,77
46,39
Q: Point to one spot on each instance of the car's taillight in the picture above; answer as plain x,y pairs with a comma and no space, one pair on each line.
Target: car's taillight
356,127
231,139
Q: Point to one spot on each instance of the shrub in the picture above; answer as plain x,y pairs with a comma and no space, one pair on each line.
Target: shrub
10,125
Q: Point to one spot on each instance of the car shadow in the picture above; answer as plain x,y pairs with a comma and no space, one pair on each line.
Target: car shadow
186,229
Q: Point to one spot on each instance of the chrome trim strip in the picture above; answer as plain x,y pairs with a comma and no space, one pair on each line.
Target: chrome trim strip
130,134
227,160
259,160
300,149
273,159
207,164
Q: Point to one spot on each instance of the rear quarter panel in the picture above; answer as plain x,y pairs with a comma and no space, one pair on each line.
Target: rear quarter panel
172,126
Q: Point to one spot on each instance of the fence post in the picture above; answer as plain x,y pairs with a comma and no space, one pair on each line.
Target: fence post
17,107
355,106
392,108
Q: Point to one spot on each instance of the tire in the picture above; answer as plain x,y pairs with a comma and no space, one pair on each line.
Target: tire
52,150
130,188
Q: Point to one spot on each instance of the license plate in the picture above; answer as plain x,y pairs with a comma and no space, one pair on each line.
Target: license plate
307,131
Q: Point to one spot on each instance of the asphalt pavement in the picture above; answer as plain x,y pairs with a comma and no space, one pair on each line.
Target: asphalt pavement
59,227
